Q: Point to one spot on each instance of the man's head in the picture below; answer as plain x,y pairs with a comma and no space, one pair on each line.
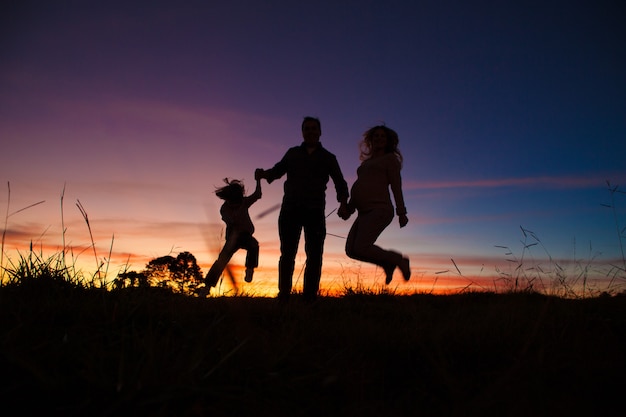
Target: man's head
311,130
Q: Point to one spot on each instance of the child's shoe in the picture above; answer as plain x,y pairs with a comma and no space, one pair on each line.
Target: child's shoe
204,291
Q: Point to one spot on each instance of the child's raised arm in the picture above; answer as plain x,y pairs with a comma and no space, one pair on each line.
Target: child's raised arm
257,191
258,187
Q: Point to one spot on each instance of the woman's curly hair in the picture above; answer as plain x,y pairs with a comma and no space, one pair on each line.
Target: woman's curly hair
392,142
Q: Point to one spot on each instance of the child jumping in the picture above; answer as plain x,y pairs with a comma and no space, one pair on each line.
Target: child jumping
239,229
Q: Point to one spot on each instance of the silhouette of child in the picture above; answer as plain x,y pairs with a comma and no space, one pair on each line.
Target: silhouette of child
239,229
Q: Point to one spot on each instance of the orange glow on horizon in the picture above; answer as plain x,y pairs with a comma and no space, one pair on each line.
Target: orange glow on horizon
431,273
339,275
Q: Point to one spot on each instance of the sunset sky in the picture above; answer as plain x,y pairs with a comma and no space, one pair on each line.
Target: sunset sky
510,115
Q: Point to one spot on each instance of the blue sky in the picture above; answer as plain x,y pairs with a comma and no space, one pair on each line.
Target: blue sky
510,114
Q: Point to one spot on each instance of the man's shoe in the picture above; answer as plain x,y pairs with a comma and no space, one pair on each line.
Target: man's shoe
249,273
389,273
405,268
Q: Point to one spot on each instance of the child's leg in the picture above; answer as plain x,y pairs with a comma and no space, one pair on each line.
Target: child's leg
227,252
251,245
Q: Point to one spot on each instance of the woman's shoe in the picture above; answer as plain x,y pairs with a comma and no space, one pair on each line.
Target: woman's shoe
389,273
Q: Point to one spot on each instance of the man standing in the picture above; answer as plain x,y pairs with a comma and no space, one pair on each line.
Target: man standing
308,168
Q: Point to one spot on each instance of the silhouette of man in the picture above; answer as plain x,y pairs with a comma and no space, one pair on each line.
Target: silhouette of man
308,168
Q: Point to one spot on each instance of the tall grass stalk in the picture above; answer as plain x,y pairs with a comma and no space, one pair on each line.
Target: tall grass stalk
63,223
621,232
99,264
35,268
553,279
6,223
468,286
57,265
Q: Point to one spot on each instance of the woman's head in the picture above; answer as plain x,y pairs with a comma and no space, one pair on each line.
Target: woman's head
233,191
379,138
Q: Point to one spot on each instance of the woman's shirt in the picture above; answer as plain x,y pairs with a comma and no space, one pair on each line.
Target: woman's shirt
374,176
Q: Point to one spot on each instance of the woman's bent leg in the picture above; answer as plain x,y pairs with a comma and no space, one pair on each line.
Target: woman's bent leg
366,229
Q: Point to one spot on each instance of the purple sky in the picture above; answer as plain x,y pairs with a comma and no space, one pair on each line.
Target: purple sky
509,114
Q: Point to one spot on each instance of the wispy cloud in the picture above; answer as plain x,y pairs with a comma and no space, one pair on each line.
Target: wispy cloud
548,182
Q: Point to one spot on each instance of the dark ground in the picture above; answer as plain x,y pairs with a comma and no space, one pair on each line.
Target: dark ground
77,352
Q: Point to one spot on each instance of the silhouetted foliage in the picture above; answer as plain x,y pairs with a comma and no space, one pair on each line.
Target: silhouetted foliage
158,269
181,274
131,279
185,267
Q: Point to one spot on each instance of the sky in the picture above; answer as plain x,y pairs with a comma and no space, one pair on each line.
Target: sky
511,117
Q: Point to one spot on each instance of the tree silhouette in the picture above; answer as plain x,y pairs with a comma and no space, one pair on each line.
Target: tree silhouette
181,273
186,271
158,270
131,279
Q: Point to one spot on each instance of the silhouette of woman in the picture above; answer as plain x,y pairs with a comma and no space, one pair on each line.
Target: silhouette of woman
379,170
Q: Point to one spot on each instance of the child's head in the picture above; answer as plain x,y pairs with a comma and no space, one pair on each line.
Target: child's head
233,191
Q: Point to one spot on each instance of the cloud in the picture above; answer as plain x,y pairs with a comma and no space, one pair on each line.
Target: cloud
573,182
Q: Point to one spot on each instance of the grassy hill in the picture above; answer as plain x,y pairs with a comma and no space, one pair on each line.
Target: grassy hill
71,351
